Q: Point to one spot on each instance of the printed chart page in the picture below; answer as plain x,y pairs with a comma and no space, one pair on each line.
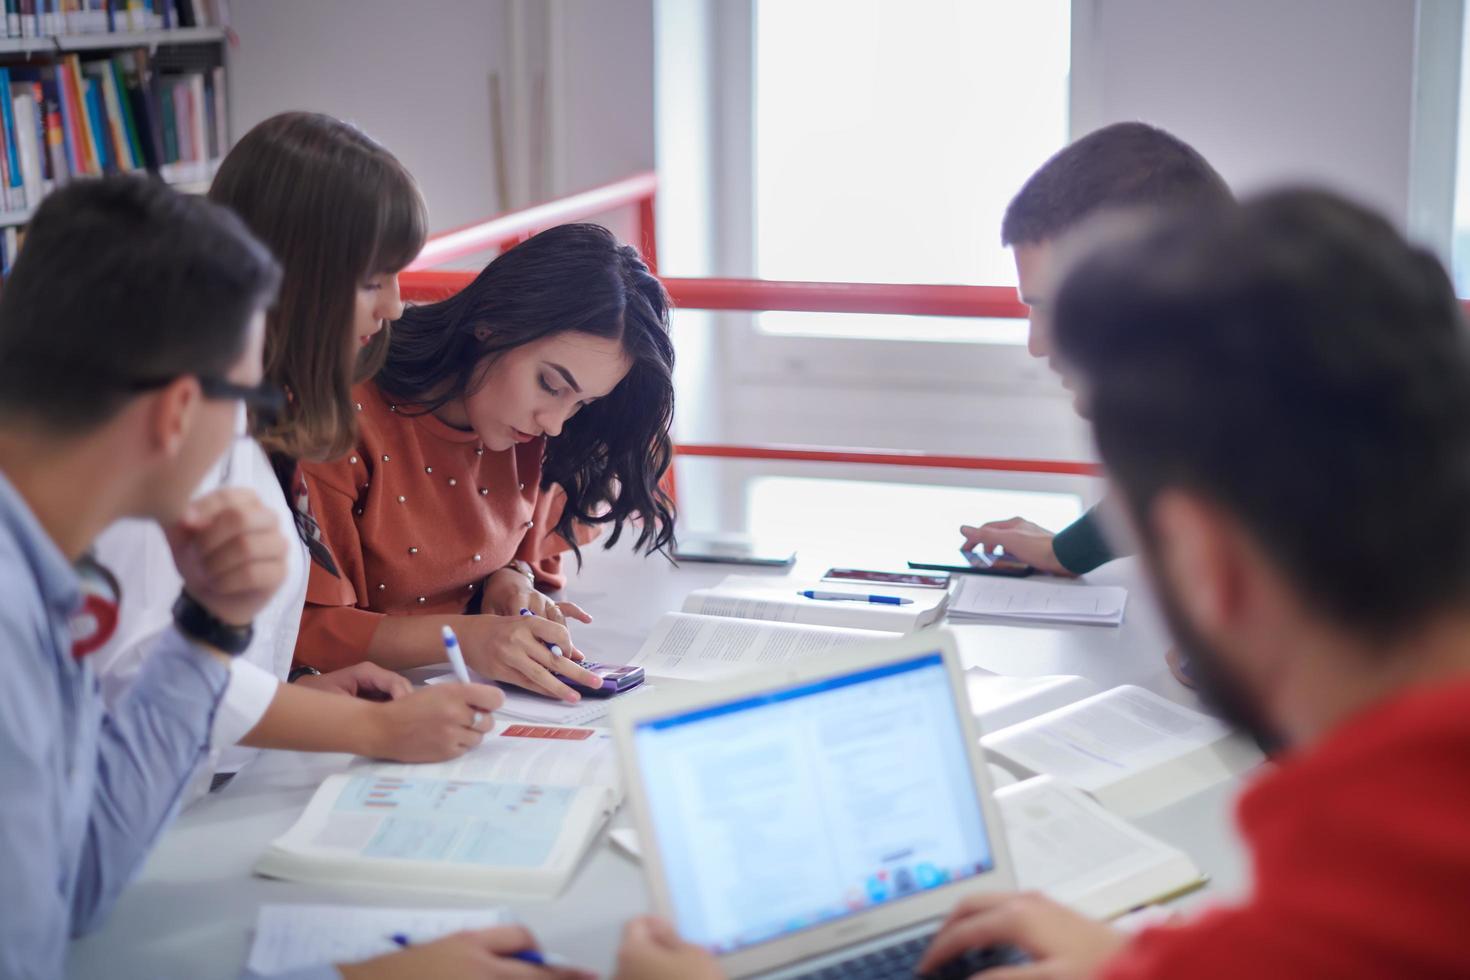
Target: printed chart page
446,834
517,752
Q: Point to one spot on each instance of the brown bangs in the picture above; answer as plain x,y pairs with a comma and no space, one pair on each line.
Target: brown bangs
403,227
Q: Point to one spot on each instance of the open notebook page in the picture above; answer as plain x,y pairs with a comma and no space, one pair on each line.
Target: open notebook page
692,647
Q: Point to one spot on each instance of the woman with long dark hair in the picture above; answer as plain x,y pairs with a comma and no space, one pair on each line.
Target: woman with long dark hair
508,424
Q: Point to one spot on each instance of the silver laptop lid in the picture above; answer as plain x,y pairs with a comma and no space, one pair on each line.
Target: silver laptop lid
793,813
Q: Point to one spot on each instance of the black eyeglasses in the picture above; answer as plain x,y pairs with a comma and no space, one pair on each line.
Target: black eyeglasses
265,400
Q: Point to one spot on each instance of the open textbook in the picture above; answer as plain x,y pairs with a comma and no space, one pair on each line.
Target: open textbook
1066,845
1131,749
1000,700
776,599
689,646
511,817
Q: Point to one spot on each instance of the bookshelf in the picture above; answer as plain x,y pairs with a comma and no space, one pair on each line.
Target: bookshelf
112,39
139,120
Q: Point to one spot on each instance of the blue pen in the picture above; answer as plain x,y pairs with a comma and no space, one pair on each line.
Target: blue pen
885,600
533,956
555,650
456,659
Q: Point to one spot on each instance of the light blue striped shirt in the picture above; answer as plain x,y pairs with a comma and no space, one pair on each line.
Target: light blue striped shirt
85,794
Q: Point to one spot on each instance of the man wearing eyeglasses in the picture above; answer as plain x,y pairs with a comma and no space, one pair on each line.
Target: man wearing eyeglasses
131,331
130,326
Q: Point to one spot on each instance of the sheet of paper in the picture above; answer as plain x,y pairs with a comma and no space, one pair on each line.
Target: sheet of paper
1106,737
518,752
692,647
997,597
289,937
533,707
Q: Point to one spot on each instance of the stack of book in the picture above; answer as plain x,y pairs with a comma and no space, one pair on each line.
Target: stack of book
51,18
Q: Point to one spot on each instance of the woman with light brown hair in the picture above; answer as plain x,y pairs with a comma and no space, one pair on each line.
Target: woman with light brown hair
342,216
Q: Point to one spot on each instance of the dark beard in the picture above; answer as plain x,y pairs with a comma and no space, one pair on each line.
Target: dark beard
1219,689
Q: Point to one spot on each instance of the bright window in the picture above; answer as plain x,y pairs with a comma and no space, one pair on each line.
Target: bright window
889,522
1460,248
889,139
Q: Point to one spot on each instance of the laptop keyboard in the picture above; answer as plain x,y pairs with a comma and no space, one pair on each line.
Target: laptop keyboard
896,962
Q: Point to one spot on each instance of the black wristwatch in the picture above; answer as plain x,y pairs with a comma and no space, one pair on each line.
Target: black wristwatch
302,670
203,626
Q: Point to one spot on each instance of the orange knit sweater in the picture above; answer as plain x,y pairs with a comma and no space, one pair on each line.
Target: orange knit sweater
417,515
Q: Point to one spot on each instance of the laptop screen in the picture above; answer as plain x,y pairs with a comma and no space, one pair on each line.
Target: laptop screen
810,803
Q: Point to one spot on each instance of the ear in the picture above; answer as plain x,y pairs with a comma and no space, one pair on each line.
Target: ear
1200,550
482,333
172,415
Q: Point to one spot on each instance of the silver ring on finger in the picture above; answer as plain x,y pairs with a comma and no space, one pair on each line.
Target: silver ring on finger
477,719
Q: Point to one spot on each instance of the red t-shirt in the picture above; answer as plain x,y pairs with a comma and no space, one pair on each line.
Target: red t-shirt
1361,847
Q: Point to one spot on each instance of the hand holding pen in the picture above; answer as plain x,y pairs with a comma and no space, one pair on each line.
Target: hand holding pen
499,951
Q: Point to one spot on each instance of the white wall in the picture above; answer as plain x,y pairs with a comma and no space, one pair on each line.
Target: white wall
1268,90
603,70
415,76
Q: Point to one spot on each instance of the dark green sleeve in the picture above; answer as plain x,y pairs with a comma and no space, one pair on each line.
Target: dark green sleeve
1080,546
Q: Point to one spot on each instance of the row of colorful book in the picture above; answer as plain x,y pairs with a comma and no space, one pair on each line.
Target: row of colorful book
103,115
47,18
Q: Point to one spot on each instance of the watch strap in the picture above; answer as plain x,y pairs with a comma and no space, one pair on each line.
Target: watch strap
203,626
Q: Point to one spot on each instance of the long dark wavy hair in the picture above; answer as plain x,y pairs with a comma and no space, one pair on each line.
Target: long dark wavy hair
610,456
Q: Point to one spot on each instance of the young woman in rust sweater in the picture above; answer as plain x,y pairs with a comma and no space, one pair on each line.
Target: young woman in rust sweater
508,424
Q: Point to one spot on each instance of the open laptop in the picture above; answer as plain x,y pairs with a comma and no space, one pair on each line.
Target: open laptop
818,819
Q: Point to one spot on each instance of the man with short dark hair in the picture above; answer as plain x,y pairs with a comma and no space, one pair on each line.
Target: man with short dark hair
1281,396
130,331
1125,165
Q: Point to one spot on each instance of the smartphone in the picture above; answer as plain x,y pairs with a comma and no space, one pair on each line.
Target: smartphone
734,549
616,678
918,580
978,563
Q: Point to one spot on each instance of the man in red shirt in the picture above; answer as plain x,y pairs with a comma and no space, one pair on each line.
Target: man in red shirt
1281,395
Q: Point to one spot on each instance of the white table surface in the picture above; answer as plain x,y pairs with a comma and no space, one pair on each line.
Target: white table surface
191,911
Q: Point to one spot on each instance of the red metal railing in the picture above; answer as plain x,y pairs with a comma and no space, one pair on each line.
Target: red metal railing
509,229
423,284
